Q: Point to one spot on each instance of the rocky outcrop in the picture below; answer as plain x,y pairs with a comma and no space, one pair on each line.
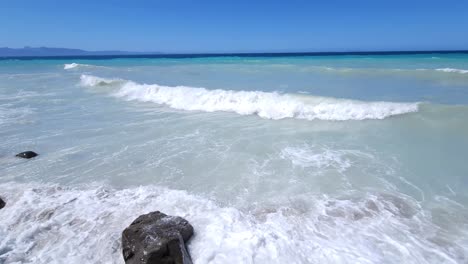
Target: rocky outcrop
27,154
156,238
2,203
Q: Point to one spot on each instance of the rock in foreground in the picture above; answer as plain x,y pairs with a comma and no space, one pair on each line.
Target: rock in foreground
156,238
27,154
2,203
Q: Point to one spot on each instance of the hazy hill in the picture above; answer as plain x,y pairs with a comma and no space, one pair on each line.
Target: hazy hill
46,51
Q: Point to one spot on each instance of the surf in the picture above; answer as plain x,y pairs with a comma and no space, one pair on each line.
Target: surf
267,105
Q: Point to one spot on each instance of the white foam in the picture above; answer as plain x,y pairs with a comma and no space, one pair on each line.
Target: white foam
70,66
74,65
452,70
322,157
269,105
54,224
318,157
92,81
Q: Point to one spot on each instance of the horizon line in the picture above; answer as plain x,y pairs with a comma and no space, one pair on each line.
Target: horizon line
154,54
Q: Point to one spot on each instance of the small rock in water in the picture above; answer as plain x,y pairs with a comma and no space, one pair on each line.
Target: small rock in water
27,154
2,203
156,238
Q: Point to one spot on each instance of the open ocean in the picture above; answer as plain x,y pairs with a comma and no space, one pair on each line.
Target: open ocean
280,159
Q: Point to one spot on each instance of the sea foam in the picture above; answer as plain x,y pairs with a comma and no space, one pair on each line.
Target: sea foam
71,66
452,70
57,224
74,65
269,105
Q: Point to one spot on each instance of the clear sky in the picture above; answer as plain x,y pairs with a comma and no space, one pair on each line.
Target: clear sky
235,26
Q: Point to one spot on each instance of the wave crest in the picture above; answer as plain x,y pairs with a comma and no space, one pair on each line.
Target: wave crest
452,70
93,81
74,65
71,66
269,105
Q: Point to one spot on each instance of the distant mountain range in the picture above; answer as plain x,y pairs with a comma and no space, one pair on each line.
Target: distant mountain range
46,51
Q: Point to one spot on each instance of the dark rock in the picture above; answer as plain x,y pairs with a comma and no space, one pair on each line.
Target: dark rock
2,203
27,154
156,238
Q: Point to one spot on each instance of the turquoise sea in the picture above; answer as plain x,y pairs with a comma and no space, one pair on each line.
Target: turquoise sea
283,159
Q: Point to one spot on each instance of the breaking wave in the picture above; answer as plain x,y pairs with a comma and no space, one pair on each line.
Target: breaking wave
71,66
78,65
269,105
452,70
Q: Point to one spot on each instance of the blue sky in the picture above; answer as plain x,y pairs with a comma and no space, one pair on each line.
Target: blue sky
235,26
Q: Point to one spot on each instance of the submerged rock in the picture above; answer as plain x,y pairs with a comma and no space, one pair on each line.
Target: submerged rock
156,238
2,203
27,154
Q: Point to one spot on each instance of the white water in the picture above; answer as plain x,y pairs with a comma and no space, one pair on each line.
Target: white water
452,70
51,224
73,65
264,104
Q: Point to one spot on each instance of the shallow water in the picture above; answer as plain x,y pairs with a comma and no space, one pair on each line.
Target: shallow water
345,159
